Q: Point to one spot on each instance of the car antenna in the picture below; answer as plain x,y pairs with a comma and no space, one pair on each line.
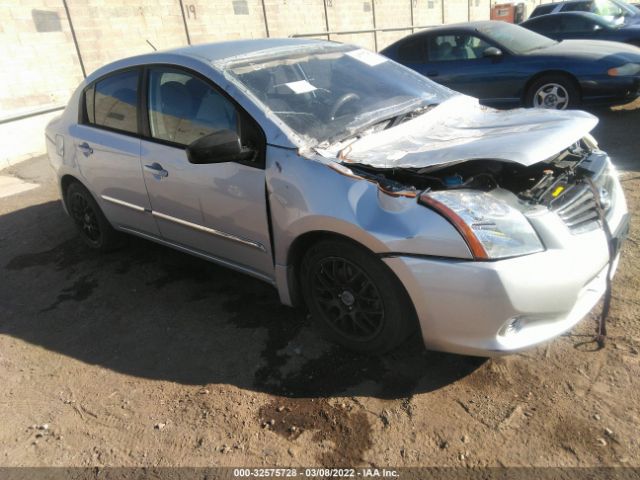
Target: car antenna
152,46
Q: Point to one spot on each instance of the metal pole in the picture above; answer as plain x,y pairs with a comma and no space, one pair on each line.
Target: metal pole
442,8
411,2
184,21
468,10
75,39
326,19
35,113
354,32
373,15
264,15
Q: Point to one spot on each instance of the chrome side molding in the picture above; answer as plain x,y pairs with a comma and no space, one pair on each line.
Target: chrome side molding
195,226
122,203
198,253
211,231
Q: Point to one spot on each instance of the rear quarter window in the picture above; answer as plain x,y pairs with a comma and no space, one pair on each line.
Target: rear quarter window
112,102
412,51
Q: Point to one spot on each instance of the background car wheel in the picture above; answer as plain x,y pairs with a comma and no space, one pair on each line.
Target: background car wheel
93,226
354,298
555,92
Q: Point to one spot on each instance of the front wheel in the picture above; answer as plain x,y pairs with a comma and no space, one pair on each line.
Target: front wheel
555,92
91,223
354,298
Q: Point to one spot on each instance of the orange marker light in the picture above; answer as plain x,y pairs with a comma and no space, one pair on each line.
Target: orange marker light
477,249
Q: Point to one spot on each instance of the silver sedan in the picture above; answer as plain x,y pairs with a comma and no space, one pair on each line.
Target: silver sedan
391,206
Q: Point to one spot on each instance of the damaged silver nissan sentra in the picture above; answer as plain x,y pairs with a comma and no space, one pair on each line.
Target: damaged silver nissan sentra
385,202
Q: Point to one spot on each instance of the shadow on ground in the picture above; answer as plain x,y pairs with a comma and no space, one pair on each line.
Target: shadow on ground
612,133
152,312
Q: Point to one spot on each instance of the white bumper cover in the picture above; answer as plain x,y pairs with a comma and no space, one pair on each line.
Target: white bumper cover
496,307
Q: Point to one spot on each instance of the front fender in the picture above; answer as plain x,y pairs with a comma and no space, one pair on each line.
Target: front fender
306,195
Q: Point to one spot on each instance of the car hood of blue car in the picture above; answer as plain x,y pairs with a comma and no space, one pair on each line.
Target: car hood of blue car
460,129
591,50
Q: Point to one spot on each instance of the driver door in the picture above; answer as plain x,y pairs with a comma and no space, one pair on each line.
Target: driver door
457,60
217,210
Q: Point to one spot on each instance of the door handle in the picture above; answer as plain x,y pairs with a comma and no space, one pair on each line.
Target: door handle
86,149
432,74
156,169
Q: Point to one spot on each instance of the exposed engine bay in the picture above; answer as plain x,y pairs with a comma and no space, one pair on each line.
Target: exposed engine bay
546,183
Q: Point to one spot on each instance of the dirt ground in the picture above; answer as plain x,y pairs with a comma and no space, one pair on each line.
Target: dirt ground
150,357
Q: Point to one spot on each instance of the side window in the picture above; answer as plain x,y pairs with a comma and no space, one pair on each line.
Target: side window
113,102
183,108
412,51
456,47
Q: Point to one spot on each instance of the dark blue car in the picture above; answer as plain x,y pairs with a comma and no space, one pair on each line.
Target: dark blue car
505,65
581,25
617,11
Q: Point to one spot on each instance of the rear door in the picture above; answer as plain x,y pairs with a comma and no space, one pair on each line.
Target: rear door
107,144
216,209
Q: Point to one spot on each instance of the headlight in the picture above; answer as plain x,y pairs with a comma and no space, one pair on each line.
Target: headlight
491,228
624,70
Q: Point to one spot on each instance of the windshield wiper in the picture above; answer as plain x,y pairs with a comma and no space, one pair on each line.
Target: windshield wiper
391,120
398,119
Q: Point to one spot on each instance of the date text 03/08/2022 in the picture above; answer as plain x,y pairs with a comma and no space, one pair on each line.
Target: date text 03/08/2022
316,472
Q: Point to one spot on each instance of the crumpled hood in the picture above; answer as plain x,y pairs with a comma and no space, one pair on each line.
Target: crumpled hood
460,129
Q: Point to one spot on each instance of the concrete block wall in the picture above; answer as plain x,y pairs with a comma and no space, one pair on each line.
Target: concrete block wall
303,16
349,15
40,65
216,20
113,29
389,14
428,12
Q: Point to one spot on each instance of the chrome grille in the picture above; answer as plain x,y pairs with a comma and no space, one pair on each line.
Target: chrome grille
577,209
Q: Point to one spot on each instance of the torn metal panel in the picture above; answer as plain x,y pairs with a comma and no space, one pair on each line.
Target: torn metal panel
460,129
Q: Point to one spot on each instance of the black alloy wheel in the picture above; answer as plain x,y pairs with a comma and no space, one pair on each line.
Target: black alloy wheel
85,217
348,298
354,298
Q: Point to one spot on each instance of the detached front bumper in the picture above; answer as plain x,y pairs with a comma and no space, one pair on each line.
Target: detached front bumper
503,306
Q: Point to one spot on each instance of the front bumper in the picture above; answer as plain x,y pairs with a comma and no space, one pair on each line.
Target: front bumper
605,89
503,306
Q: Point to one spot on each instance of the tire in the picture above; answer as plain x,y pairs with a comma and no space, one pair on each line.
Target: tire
93,226
549,90
354,298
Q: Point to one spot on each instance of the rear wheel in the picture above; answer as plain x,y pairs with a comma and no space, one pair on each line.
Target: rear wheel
91,223
555,92
354,298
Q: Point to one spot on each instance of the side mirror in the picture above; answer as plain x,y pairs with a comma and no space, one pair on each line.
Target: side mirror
492,52
218,147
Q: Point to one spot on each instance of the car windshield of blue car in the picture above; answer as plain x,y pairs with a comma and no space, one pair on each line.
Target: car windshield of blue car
327,93
609,9
517,39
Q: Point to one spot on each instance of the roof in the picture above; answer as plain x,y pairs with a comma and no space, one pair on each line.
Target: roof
588,15
460,26
213,52
208,53
464,26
